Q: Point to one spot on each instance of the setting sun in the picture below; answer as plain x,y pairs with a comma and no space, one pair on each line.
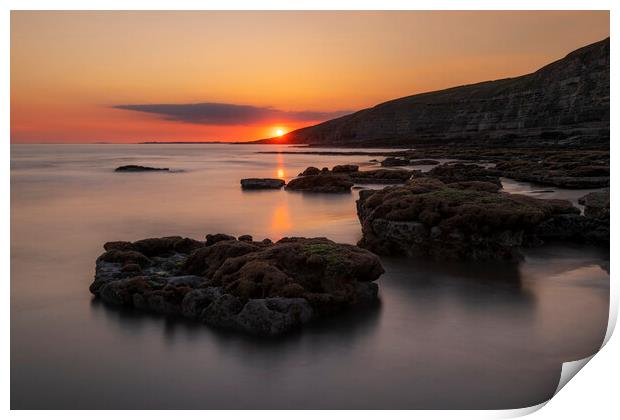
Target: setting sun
279,132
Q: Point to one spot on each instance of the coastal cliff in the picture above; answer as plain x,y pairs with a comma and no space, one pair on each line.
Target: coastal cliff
563,103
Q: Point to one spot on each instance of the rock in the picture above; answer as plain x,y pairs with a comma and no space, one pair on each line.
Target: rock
223,311
310,171
125,257
246,238
273,316
596,204
196,300
138,168
217,237
205,261
262,183
424,162
461,172
565,170
321,183
428,218
395,161
383,176
345,168
475,186
156,246
118,245
261,288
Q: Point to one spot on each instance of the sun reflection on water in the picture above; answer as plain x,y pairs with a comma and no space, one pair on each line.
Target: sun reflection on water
280,221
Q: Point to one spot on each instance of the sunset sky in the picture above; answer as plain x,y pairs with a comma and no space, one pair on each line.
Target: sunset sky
84,77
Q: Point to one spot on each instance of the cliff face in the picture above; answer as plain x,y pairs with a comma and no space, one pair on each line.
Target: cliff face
565,102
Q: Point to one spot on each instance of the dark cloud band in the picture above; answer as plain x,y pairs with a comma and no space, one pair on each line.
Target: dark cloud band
228,114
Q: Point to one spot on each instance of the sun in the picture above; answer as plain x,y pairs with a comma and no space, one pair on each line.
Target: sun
279,132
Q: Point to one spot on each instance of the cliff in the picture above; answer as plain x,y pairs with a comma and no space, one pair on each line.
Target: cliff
564,103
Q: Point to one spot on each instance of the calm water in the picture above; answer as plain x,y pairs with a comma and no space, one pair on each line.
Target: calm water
444,336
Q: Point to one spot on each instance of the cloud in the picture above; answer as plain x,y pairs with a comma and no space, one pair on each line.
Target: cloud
209,113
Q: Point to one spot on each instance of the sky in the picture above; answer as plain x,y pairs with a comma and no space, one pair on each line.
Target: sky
127,77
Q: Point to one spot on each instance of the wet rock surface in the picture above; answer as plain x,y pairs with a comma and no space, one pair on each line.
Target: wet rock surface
139,168
262,183
466,220
261,288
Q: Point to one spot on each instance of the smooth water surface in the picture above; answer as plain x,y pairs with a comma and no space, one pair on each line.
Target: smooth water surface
444,335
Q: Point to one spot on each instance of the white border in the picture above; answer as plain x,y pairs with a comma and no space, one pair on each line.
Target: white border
594,394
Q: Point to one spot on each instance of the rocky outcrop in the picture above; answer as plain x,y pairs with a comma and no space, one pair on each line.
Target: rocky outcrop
261,288
556,166
349,174
138,168
345,169
596,204
394,161
262,183
383,176
322,183
424,162
463,220
574,169
310,171
460,172
563,103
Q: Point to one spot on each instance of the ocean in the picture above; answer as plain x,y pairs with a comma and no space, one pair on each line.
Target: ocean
446,335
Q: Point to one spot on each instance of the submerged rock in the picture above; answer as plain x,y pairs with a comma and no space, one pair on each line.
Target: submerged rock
262,183
138,168
455,221
261,288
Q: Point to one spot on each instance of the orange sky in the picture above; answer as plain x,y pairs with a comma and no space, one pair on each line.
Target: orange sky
255,72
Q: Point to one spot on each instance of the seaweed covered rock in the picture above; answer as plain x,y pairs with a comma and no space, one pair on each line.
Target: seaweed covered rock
383,176
596,204
309,171
323,183
461,172
345,168
395,161
573,169
262,288
424,162
457,221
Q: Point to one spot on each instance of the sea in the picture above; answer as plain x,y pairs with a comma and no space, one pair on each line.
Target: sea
445,335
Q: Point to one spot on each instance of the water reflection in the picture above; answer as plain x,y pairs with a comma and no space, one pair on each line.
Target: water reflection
280,222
